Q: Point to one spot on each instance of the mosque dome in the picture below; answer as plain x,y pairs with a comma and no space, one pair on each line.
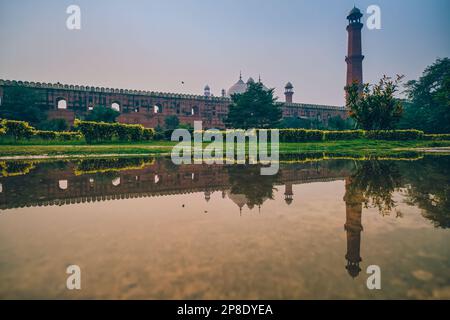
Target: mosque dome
250,80
237,88
289,86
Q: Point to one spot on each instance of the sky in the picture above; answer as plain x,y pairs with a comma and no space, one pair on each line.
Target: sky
158,44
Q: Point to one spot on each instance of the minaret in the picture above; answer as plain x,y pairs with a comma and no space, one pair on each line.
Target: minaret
207,91
354,56
288,92
353,204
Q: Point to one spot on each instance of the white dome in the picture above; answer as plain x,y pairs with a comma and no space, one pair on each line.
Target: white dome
237,88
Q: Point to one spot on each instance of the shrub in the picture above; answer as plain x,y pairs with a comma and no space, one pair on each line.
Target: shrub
344,135
101,131
300,135
437,137
17,129
395,135
148,134
45,135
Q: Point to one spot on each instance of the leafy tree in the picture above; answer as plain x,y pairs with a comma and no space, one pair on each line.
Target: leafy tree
375,107
24,104
429,105
171,122
295,123
102,114
337,123
255,108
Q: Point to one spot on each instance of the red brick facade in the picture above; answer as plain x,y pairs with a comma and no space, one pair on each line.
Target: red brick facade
151,108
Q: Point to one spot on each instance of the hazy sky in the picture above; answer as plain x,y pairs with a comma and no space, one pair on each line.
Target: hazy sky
154,45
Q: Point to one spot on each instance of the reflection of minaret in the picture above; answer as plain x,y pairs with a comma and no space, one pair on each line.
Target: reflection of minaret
207,196
288,193
353,200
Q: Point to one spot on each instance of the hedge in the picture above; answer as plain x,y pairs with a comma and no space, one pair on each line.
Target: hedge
102,131
395,135
300,135
344,135
17,129
56,135
437,137
306,135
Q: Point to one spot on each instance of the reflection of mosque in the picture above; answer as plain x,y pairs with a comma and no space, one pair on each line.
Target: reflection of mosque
62,183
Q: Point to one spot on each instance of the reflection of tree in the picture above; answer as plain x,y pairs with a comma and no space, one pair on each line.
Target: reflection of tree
248,181
376,180
429,188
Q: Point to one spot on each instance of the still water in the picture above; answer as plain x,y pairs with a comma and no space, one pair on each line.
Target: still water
143,228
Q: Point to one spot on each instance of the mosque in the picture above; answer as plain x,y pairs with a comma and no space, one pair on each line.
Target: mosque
151,108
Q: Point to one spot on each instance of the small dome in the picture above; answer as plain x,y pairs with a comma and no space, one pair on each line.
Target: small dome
207,87
354,13
250,80
289,86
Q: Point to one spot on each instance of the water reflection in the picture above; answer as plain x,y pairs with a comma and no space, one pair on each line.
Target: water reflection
369,184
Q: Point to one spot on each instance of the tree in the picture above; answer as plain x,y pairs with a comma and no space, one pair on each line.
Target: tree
375,107
255,108
429,105
171,122
295,123
102,114
337,123
24,104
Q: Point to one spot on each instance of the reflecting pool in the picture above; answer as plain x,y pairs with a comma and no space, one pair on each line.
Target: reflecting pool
144,228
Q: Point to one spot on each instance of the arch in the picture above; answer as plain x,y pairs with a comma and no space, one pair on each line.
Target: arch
194,111
115,106
157,108
61,104
63,184
116,181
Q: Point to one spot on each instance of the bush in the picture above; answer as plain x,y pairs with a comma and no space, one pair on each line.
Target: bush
17,129
300,135
437,137
344,135
395,135
101,131
45,135
56,135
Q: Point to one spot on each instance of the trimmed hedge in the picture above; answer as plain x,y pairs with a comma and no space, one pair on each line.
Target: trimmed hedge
395,135
56,135
102,131
17,129
300,135
437,137
21,130
343,135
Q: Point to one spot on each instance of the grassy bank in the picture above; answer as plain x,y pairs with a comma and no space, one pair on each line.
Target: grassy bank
355,147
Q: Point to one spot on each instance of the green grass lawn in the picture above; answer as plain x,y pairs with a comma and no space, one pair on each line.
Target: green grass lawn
354,147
